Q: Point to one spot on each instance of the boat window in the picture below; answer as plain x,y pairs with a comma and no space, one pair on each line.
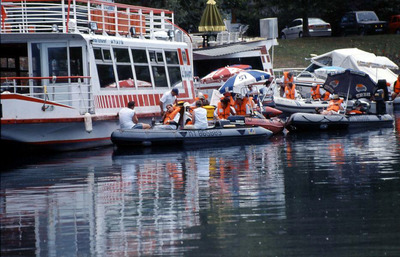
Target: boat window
75,61
121,55
105,68
143,76
139,56
156,57
171,57
106,54
97,54
14,63
106,75
58,62
174,76
160,78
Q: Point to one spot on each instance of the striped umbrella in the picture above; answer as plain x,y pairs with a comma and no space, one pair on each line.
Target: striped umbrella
242,79
211,19
224,73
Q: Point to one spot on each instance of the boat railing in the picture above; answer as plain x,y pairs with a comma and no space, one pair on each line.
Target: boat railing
73,91
86,16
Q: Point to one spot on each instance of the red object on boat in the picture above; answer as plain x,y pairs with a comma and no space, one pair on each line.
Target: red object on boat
269,112
275,125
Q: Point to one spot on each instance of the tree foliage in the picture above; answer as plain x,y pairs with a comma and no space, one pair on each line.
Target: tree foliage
187,13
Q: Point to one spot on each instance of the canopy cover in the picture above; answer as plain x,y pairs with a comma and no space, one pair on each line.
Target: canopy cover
211,19
377,67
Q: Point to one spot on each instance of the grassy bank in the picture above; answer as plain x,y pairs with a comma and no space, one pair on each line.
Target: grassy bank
292,53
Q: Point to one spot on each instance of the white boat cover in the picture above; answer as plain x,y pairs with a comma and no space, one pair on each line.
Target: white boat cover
377,67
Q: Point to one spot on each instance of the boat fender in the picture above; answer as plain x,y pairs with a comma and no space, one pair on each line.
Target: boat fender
88,122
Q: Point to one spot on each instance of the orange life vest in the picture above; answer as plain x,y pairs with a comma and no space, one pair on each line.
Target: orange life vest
396,86
315,93
334,105
223,113
290,93
355,112
169,116
286,79
326,96
241,109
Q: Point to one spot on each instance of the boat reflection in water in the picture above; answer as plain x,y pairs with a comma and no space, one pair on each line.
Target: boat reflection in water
296,195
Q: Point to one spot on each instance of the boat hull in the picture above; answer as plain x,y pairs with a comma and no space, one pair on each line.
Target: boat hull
138,137
301,105
310,121
59,136
275,125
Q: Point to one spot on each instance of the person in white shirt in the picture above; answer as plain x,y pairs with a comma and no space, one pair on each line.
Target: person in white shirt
168,97
199,117
128,119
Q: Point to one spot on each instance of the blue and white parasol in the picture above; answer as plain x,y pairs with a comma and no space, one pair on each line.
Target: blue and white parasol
242,79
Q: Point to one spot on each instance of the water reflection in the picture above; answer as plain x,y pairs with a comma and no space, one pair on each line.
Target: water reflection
297,195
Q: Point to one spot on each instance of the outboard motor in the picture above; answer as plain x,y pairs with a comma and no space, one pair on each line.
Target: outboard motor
380,101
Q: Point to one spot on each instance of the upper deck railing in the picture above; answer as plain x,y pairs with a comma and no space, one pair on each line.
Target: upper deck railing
85,16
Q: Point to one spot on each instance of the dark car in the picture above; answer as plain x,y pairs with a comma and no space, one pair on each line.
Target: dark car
362,23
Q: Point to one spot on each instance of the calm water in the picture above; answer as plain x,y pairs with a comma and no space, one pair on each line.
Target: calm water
321,194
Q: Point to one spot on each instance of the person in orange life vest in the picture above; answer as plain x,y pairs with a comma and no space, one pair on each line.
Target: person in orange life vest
170,119
223,110
396,88
199,117
172,115
335,105
315,92
326,96
356,108
242,106
228,95
285,80
290,91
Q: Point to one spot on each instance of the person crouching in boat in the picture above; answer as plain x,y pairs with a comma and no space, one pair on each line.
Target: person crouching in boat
290,91
199,117
335,106
315,91
224,109
242,106
128,119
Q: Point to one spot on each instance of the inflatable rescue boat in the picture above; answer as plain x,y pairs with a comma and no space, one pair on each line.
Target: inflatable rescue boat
313,121
223,133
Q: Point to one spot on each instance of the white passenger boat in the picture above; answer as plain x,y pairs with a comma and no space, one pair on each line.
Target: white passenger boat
67,67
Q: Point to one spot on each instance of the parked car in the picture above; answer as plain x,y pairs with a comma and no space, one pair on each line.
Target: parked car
316,27
362,23
394,24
